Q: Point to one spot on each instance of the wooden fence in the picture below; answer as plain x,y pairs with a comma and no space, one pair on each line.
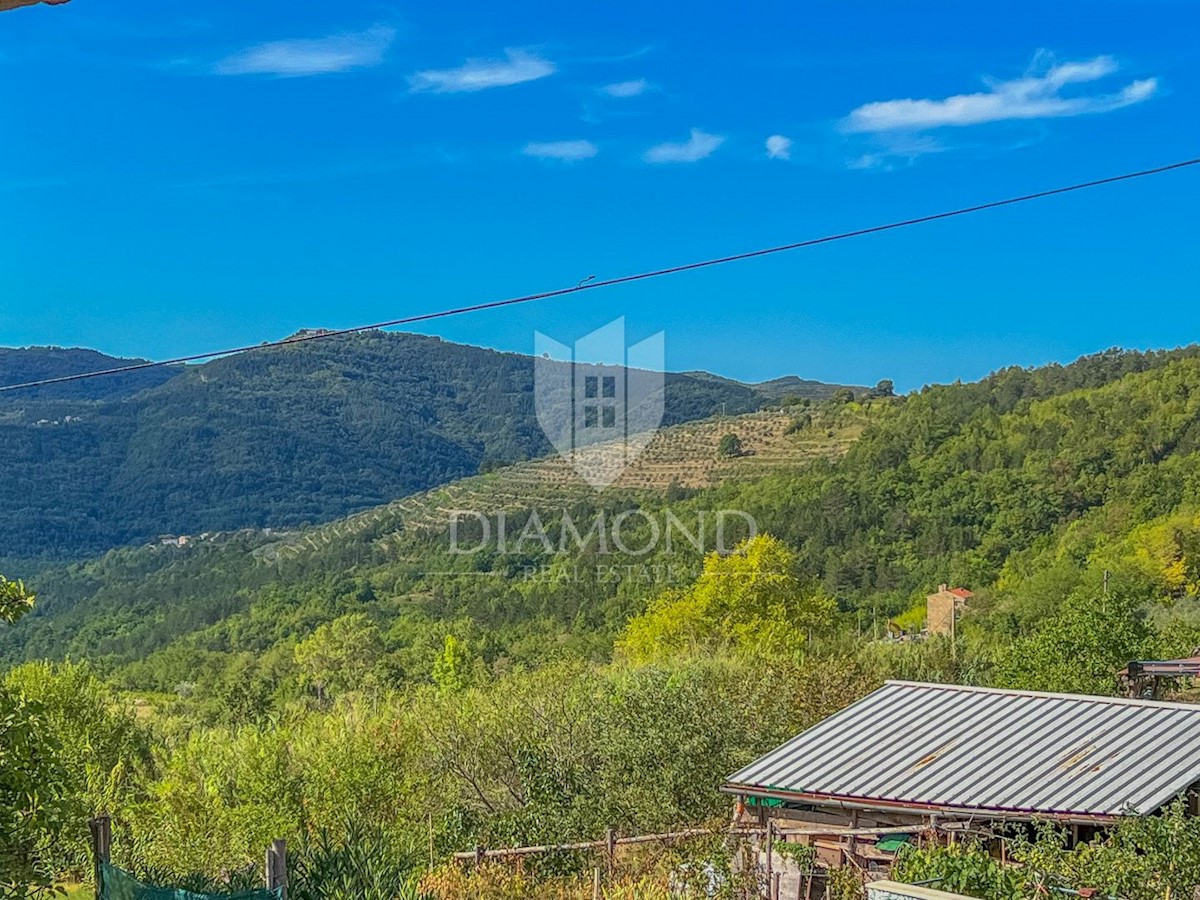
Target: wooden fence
771,879
609,843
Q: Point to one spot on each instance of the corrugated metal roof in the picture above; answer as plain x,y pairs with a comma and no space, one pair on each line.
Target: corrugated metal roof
946,746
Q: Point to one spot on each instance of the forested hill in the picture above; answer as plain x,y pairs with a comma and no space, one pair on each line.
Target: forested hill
366,674
20,366
276,437
1025,486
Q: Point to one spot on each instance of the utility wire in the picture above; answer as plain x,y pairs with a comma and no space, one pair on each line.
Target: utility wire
589,285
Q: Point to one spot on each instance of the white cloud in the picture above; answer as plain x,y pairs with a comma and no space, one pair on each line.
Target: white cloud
518,66
694,149
311,56
1033,96
565,151
891,150
622,89
779,147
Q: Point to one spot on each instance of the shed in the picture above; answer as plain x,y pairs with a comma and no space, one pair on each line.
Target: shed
910,751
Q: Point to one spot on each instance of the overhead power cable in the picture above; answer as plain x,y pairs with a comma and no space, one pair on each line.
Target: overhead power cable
589,284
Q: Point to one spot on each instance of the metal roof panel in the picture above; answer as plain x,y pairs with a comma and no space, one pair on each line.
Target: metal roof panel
982,748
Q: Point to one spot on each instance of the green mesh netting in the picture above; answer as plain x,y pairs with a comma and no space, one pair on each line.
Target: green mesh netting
117,884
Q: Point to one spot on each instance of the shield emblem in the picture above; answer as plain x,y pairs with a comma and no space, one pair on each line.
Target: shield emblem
600,402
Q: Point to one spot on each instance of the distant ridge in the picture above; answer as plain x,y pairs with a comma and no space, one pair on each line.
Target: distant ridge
785,386
19,365
279,437
794,386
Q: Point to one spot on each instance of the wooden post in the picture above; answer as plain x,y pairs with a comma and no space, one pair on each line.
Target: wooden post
596,883
276,867
770,853
851,843
953,633
431,842
281,862
478,855
775,885
610,847
101,830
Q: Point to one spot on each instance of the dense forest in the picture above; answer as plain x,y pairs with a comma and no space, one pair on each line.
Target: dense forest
377,684
279,437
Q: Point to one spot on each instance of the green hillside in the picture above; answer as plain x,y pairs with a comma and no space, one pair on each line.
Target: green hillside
132,602
21,366
387,678
280,437
963,483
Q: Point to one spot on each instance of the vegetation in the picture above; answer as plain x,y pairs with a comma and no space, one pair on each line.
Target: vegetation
369,682
748,601
15,601
730,445
144,605
1140,859
1027,487
561,753
41,363
276,438
35,804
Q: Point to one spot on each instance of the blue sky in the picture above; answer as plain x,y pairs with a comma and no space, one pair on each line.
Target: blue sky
178,177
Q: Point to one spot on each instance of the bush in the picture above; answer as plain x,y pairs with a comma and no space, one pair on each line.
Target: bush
365,864
798,423
33,801
730,445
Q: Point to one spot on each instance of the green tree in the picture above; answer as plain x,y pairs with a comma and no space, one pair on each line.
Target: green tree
15,601
963,868
34,806
799,423
101,749
340,655
1155,857
750,599
730,445
451,669
1079,650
